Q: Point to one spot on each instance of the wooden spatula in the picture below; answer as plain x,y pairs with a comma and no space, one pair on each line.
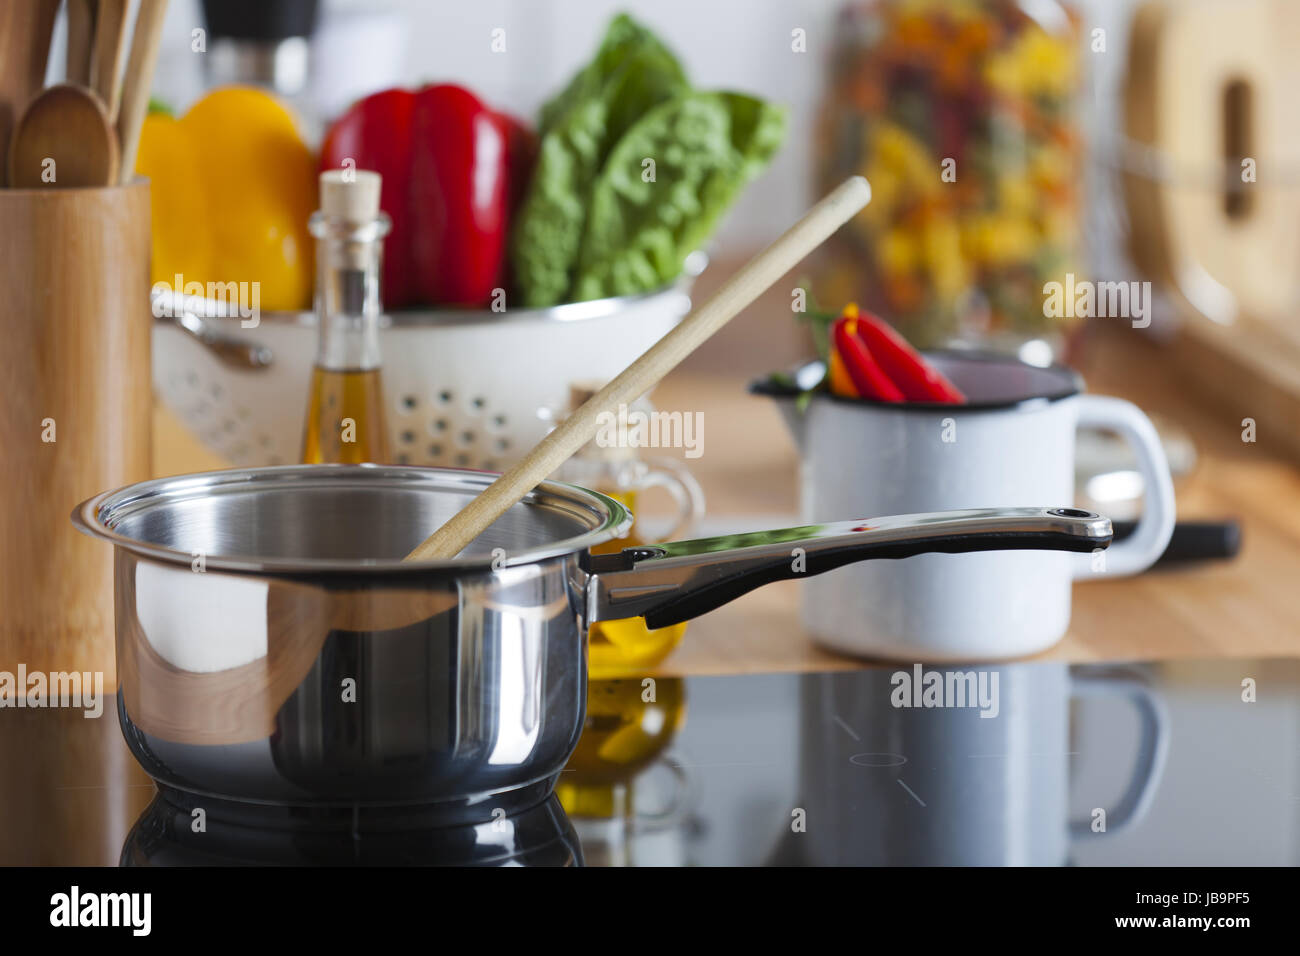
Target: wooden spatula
643,374
63,139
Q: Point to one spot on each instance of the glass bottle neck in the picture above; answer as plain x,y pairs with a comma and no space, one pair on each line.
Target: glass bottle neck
348,257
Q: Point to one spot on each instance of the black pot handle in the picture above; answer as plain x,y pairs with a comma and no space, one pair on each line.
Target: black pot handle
670,583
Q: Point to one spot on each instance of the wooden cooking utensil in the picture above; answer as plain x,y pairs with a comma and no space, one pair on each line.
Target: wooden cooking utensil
25,31
81,37
139,75
110,37
68,125
638,378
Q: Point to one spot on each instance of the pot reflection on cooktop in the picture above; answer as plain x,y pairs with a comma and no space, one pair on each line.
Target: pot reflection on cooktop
178,829
1182,763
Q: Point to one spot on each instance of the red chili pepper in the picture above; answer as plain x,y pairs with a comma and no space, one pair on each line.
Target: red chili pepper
867,376
838,376
446,159
917,379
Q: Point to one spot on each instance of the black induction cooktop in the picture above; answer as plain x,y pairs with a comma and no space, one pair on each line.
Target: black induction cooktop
1187,763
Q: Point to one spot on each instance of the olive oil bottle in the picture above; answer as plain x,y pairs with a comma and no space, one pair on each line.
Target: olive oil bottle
346,422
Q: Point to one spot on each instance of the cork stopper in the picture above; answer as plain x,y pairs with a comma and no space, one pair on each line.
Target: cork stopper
350,194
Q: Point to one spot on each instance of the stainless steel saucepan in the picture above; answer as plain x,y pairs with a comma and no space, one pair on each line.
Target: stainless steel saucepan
273,647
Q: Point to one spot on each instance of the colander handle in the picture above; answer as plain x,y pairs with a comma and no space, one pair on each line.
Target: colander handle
191,314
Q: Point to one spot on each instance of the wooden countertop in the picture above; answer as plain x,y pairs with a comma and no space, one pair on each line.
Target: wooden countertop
1248,607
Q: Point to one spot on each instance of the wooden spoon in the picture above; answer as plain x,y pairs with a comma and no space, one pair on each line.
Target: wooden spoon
643,374
25,31
63,139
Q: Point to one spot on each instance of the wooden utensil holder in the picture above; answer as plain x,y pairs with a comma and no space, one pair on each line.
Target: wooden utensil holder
74,414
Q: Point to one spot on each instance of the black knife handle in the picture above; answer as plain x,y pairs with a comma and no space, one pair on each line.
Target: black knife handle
1194,540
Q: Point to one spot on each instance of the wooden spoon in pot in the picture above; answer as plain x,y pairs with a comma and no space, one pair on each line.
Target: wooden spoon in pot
63,139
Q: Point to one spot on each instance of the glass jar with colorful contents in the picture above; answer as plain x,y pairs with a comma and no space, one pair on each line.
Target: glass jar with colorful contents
962,115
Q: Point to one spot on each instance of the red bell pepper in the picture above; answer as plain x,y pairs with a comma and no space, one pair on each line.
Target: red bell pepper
459,194
446,162
917,379
867,376
375,134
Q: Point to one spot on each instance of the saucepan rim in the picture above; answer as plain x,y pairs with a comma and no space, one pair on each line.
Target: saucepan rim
99,516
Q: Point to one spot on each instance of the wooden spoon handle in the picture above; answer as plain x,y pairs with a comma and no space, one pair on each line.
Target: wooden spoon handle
644,373
139,77
81,35
110,35
25,31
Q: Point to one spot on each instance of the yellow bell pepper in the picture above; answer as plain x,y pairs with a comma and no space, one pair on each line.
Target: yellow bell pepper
233,185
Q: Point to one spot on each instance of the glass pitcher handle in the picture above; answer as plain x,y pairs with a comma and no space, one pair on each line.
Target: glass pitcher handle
676,479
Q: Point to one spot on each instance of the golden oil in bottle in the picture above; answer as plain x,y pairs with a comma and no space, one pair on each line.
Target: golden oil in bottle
345,417
346,421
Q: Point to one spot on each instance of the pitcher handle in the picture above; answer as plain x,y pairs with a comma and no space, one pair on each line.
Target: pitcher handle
1153,748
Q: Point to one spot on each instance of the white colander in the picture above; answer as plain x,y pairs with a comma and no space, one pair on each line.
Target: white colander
465,389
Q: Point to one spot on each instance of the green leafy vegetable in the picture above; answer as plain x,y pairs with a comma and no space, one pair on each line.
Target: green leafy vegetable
645,219
625,42
631,74
593,224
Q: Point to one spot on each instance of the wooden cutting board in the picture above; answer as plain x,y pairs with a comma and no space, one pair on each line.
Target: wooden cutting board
1210,84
